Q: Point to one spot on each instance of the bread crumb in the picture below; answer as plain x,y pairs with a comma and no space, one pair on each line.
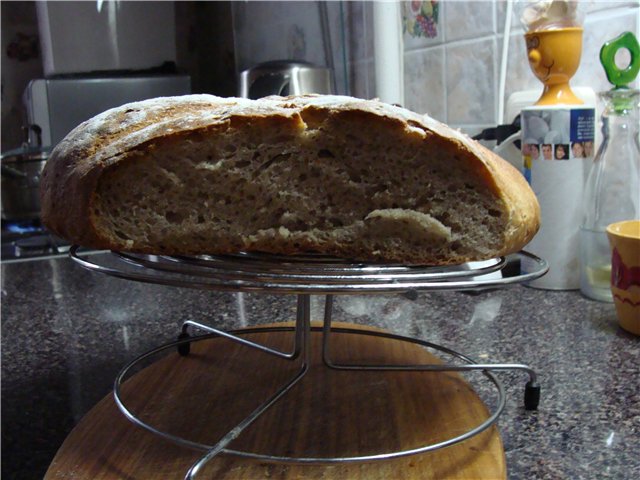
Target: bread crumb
284,232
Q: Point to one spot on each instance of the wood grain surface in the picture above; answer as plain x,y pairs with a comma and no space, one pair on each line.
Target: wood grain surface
329,413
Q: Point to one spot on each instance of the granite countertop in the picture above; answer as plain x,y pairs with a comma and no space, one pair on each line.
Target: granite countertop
66,332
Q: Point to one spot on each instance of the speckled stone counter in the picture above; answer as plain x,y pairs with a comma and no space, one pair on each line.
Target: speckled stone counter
66,332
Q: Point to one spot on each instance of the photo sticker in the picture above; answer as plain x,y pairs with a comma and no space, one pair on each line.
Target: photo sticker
556,135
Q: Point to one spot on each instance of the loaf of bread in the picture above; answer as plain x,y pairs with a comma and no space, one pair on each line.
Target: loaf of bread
334,175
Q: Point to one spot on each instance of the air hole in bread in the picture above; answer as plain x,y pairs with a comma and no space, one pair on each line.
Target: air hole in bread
324,153
272,160
174,217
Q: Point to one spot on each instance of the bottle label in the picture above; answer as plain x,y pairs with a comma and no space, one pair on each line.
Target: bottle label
555,134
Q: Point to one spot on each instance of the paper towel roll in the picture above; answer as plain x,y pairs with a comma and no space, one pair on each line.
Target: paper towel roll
559,185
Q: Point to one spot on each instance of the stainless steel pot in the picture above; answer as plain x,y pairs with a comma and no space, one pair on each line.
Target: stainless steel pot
284,77
21,169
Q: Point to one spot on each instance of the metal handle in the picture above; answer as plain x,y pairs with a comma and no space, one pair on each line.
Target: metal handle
26,132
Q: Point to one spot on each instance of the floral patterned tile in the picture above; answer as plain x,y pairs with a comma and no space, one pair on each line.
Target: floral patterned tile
422,24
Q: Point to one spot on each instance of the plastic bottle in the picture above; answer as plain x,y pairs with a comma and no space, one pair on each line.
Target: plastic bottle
612,191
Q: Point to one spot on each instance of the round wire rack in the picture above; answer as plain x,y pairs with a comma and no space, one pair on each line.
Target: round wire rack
246,272
304,276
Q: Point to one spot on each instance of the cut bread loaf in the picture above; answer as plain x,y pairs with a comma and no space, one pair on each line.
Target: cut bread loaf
335,175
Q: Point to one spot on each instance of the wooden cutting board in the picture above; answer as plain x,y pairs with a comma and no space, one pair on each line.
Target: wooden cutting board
330,413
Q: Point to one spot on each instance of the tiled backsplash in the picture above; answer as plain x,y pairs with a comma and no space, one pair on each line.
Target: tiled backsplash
452,73
471,51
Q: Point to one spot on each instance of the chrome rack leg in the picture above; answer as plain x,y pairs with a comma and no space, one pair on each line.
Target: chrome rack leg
184,347
531,392
303,340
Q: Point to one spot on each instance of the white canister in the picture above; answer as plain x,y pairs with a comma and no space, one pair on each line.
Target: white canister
557,150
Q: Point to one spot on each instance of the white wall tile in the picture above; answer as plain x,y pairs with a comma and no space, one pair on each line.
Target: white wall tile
599,29
596,5
468,19
501,10
519,74
471,82
588,8
424,82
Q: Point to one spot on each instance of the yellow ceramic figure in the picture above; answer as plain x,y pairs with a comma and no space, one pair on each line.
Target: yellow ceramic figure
554,57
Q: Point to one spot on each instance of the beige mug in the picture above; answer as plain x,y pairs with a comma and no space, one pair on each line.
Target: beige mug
624,238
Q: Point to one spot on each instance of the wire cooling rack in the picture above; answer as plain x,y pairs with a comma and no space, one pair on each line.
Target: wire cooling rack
303,276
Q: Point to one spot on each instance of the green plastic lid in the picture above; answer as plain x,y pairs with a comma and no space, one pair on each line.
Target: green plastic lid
619,95
620,78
